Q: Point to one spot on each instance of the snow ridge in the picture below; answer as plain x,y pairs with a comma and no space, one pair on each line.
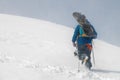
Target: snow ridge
33,49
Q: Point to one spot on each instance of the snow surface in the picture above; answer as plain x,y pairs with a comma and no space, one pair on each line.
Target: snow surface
32,49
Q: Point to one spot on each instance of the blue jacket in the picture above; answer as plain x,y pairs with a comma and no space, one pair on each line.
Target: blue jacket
82,40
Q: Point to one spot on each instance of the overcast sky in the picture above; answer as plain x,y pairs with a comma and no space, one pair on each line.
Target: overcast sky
103,14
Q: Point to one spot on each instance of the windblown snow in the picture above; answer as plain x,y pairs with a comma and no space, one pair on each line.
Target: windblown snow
32,49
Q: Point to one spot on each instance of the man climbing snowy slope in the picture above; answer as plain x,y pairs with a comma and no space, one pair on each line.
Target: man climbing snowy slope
82,38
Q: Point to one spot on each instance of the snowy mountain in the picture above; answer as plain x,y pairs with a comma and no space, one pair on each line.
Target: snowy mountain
32,49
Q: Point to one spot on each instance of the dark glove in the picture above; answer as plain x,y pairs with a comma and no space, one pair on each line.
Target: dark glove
75,53
74,44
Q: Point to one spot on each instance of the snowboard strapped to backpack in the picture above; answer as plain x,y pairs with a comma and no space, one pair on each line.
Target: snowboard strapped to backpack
87,27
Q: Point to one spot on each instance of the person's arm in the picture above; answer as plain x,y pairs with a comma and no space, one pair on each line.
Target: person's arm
95,33
75,35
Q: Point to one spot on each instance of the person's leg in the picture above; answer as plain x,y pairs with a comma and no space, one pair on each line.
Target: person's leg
81,52
88,62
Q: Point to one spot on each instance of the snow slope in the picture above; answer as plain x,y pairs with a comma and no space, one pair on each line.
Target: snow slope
32,49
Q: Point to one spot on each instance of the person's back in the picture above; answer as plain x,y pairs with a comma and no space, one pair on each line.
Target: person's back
80,37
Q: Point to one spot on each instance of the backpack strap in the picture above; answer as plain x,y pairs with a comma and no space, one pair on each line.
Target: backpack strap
81,31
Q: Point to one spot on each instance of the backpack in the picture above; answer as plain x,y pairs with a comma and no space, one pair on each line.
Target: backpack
88,30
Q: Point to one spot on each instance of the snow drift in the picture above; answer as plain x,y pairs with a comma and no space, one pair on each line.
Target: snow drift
32,49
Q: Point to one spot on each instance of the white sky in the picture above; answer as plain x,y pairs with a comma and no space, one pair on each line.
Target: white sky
103,14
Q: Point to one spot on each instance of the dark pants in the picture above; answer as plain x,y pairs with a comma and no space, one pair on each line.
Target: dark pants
84,50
